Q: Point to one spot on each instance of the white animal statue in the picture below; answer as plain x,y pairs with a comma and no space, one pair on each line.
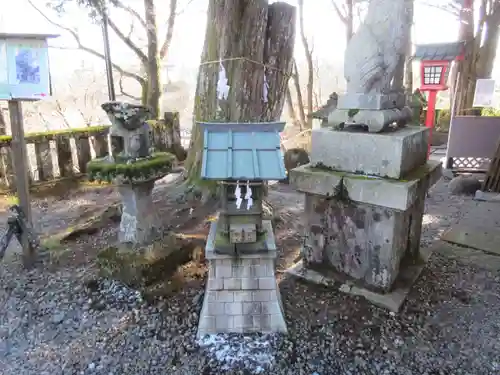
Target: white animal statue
375,49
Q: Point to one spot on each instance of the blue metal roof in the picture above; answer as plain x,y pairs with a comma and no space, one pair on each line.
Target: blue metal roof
242,151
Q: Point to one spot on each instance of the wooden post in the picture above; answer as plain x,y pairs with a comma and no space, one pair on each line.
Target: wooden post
19,161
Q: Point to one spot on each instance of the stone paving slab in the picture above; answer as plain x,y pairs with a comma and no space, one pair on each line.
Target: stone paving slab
475,237
479,228
468,256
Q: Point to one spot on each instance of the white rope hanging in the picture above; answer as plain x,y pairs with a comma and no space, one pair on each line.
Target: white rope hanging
265,89
237,194
248,196
222,86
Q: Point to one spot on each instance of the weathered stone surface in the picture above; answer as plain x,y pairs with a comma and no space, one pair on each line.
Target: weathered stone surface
142,266
371,101
139,222
374,52
366,236
241,294
397,195
391,301
364,242
464,185
392,155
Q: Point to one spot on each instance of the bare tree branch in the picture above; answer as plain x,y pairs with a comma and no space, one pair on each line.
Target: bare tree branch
170,29
128,41
122,90
185,8
118,4
82,47
310,65
449,7
342,16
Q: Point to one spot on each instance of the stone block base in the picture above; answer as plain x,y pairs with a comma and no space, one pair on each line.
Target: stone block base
241,294
391,301
363,238
139,222
392,154
377,120
371,101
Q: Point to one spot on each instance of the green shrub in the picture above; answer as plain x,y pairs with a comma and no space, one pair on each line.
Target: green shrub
443,118
490,112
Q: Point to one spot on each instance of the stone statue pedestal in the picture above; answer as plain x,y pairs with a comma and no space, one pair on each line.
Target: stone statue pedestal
140,222
364,204
376,111
391,154
241,294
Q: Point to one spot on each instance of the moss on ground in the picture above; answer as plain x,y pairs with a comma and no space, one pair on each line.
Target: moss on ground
145,265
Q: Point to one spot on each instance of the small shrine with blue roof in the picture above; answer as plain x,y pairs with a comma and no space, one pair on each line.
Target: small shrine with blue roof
242,156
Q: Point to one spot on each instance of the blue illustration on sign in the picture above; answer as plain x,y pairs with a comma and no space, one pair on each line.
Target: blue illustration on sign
27,67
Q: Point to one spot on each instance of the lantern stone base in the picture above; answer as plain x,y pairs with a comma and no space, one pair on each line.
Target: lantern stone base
368,234
241,294
139,222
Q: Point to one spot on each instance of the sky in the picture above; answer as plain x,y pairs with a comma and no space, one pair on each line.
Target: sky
321,23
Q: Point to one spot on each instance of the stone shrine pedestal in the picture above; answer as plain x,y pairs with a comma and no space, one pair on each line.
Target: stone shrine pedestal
139,221
364,204
242,293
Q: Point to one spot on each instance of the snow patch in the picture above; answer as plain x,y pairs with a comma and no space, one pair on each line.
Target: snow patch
253,353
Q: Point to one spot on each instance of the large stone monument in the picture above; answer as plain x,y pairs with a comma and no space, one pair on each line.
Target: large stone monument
134,169
367,181
241,294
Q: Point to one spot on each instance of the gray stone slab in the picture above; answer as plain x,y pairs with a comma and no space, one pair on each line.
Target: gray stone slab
393,154
371,101
394,194
475,237
391,301
468,256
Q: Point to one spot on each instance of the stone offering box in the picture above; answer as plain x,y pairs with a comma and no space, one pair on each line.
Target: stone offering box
242,293
365,196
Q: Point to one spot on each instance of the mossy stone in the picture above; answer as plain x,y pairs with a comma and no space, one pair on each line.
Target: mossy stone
145,265
51,135
156,166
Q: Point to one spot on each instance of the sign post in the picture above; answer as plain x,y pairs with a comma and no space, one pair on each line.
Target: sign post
24,76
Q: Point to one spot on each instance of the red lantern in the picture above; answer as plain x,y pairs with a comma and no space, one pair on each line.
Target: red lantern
433,75
434,70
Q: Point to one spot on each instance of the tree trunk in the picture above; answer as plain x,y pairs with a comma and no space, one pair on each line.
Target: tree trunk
300,100
153,93
310,65
465,33
349,20
251,34
291,109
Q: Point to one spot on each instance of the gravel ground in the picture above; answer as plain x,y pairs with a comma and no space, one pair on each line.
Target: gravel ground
68,322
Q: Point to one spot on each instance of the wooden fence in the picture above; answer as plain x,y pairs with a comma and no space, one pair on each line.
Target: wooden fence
65,153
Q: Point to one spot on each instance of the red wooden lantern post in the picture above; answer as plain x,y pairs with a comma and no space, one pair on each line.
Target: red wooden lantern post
435,61
433,79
